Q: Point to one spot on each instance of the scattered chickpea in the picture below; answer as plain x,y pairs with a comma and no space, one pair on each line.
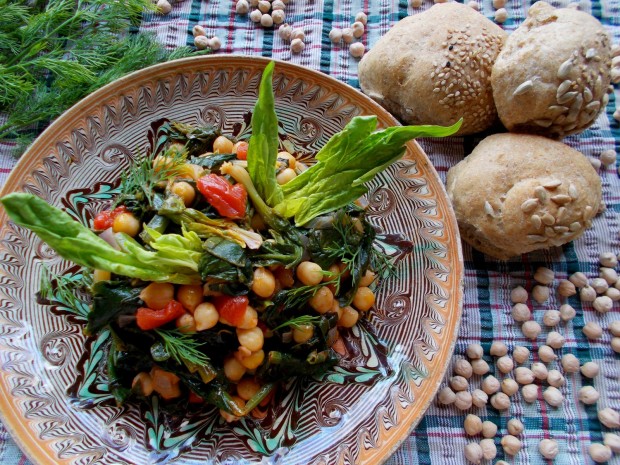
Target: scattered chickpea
515,426
520,312
592,330
599,285
266,20
358,29
361,17
335,35
489,450
489,429
551,318
609,275
198,30
599,452
256,16
615,344
498,349
278,16
588,395
499,4
164,7
546,354
472,425
518,295
601,304
590,369
540,294
463,400
511,444
285,32
479,398
357,49
612,441
474,351
567,312
463,368
555,340
614,328
201,42
473,452
446,396
542,275
579,279
596,163
520,354
608,259
566,288
531,329
548,448
347,35
608,157
529,392
553,396
501,15
613,294
278,5
480,367
500,401
609,417
490,385
570,363
459,383
298,33
524,375
242,7
509,387
555,378
297,45
504,364
587,294
539,370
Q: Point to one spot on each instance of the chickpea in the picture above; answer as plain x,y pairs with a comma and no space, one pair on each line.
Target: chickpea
302,333
364,299
247,388
285,277
222,145
334,271
254,360
185,191
264,282
101,275
367,279
349,317
243,145
229,417
205,316
257,222
287,157
143,384
157,295
474,351
252,339
233,369
250,319
126,223
309,273
323,300
286,175
190,296
186,323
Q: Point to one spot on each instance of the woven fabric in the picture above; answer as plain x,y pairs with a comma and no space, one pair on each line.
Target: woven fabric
439,439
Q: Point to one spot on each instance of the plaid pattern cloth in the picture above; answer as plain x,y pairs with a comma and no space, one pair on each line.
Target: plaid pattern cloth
439,439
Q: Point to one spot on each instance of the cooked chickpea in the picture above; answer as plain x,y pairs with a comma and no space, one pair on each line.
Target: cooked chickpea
157,295
252,339
186,323
247,388
364,299
101,275
286,175
367,279
349,317
229,417
126,223
205,316
309,273
322,300
185,191
222,144
143,383
264,282
190,296
302,333
290,159
253,360
334,271
250,318
233,369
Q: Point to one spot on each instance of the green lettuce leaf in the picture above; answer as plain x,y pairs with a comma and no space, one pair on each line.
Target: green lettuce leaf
263,148
79,244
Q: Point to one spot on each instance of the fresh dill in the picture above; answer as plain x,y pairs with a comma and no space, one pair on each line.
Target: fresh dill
182,347
299,321
63,290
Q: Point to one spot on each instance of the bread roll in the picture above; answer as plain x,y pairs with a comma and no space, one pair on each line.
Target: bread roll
435,67
516,193
552,75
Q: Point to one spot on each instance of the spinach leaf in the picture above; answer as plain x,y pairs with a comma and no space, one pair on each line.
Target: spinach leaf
111,299
213,161
280,250
226,261
263,147
197,140
282,365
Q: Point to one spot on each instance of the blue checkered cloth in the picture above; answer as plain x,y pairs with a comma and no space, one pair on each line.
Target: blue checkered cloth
439,439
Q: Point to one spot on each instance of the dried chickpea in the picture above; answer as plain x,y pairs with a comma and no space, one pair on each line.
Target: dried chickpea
520,354
548,448
252,339
509,387
247,388
157,295
529,392
479,367
599,452
567,312
489,450
555,378
588,395
504,364
555,340
264,282
551,318
614,328
609,417
489,429
446,396
222,144
463,400
363,299
524,375
590,369
511,444
592,330
546,354
570,363
463,368
458,383
309,273
500,401
566,288
472,425
490,385
553,396
498,349
474,351
540,293
612,441
184,191
531,329
520,312
518,295
126,223
515,426
473,453
544,275
190,296
578,279
479,398
349,317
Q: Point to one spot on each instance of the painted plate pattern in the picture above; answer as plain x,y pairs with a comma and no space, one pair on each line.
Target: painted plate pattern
52,397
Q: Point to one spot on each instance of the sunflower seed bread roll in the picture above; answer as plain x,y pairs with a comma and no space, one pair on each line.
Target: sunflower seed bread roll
517,193
552,75
435,67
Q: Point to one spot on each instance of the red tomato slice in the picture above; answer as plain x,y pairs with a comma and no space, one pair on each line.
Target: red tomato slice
229,201
242,151
231,309
147,318
105,219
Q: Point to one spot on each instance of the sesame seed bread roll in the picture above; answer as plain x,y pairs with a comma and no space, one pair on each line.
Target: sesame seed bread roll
517,193
435,67
551,77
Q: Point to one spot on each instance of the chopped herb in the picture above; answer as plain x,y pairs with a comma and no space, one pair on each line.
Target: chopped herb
299,321
182,347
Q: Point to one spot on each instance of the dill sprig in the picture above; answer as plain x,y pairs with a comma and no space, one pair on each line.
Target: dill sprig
299,321
182,347
62,290
54,53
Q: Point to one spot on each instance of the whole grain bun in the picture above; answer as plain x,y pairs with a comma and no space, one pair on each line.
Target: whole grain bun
552,75
516,193
435,67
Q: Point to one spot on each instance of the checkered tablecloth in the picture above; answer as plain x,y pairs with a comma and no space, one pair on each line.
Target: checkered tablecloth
439,439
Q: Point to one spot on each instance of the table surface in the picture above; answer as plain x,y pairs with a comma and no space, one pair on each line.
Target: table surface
439,439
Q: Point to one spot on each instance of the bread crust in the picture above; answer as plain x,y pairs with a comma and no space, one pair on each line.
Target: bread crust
552,75
435,67
517,193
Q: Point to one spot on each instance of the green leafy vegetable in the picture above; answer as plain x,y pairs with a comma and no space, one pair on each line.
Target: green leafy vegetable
281,250
79,244
62,290
111,299
225,261
197,140
213,161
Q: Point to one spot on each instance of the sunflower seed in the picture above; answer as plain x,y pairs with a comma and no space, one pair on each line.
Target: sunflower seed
559,216
590,53
488,208
541,193
556,110
548,219
523,88
575,226
598,87
529,205
549,231
560,199
563,88
536,238
536,221
587,212
545,123
560,229
593,107
564,69
552,184
587,95
567,97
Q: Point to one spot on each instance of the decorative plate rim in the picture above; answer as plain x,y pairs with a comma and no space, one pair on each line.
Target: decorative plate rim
15,424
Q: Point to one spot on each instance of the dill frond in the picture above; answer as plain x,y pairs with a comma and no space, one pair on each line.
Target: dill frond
299,321
182,347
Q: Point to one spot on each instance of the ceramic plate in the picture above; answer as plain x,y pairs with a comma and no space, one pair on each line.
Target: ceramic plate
358,413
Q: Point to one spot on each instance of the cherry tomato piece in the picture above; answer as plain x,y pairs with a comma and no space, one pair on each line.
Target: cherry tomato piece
105,219
229,200
242,150
231,309
147,318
